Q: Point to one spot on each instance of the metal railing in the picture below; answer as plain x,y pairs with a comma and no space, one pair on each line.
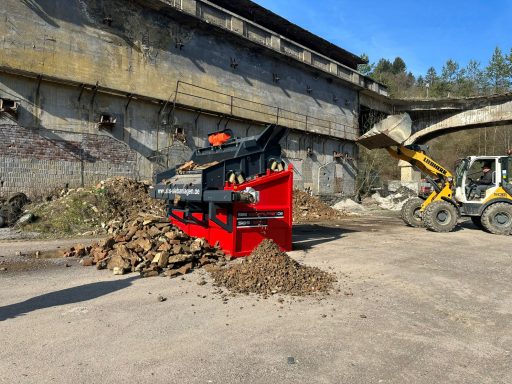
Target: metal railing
196,96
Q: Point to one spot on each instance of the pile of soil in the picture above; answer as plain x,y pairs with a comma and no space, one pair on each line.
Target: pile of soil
151,246
269,271
92,211
307,208
128,198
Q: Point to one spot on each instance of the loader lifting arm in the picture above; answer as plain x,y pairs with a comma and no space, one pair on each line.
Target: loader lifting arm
418,159
391,134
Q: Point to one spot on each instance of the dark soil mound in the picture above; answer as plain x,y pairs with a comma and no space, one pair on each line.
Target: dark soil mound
269,271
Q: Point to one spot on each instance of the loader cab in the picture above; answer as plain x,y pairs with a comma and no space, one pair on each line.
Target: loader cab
506,174
468,173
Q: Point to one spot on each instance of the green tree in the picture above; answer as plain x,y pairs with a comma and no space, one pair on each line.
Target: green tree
383,66
365,69
451,71
431,77
498,72
398,66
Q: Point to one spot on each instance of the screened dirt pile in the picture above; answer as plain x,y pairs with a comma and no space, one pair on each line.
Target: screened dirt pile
307,208
270,271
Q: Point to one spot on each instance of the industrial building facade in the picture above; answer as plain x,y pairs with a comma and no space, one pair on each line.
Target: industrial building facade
91,89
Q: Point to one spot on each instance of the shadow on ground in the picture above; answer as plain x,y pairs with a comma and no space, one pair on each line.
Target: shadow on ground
307,236
63,297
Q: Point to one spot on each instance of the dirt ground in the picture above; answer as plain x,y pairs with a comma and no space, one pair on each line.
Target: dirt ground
412,307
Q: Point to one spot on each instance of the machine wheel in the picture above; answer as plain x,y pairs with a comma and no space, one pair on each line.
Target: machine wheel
477,221
440,216
411,214
497,219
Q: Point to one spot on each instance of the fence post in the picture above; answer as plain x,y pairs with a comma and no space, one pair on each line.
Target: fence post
231,105
277,116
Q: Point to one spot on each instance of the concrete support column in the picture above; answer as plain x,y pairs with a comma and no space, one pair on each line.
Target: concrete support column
408,175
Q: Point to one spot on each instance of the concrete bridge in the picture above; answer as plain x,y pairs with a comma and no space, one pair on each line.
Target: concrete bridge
433,118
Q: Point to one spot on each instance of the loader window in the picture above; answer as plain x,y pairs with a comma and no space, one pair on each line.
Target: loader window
506,170
475,172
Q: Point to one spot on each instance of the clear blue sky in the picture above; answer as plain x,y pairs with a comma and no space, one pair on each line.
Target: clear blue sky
423,33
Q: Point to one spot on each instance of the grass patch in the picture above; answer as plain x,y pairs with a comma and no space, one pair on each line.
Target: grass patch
79,212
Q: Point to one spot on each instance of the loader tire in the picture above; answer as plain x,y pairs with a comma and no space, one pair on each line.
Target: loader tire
440,216
411,214
497,219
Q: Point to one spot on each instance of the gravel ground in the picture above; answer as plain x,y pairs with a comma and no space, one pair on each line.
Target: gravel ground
412,307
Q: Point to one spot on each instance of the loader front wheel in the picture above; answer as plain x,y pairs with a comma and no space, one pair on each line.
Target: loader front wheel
440,216
497,219
411,213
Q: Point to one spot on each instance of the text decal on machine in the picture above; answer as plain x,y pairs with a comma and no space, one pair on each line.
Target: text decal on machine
179,191
257,219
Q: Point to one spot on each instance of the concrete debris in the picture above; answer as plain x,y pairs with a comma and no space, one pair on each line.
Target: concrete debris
392,202
268,271
149,245
349,205
307,208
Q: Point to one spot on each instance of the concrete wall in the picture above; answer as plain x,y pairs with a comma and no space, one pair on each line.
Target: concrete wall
138,54
54,140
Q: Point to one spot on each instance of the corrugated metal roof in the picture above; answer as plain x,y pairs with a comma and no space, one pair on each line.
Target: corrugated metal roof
268,19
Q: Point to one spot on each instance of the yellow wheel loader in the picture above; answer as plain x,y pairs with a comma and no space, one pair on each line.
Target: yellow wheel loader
455,195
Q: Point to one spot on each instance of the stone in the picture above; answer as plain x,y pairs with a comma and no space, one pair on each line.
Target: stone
180,258
185,269
118,271
197,245
163,260
117,261
145,274
164,247
80,250
170,235
87,261
25,219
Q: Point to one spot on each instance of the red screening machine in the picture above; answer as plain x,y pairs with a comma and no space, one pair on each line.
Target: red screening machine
237,192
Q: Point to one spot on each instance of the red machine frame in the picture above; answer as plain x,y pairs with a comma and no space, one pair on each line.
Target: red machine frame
246,225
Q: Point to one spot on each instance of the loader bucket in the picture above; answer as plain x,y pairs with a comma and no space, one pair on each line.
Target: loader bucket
393,130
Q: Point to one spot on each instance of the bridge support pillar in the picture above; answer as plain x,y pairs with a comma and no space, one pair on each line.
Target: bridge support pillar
409,177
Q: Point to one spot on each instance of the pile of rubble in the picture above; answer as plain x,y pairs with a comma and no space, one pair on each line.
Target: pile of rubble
307,208
128,197
92,211
390,201
270,271
149,245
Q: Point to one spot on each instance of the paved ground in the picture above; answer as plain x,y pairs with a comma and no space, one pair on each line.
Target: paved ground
413,307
